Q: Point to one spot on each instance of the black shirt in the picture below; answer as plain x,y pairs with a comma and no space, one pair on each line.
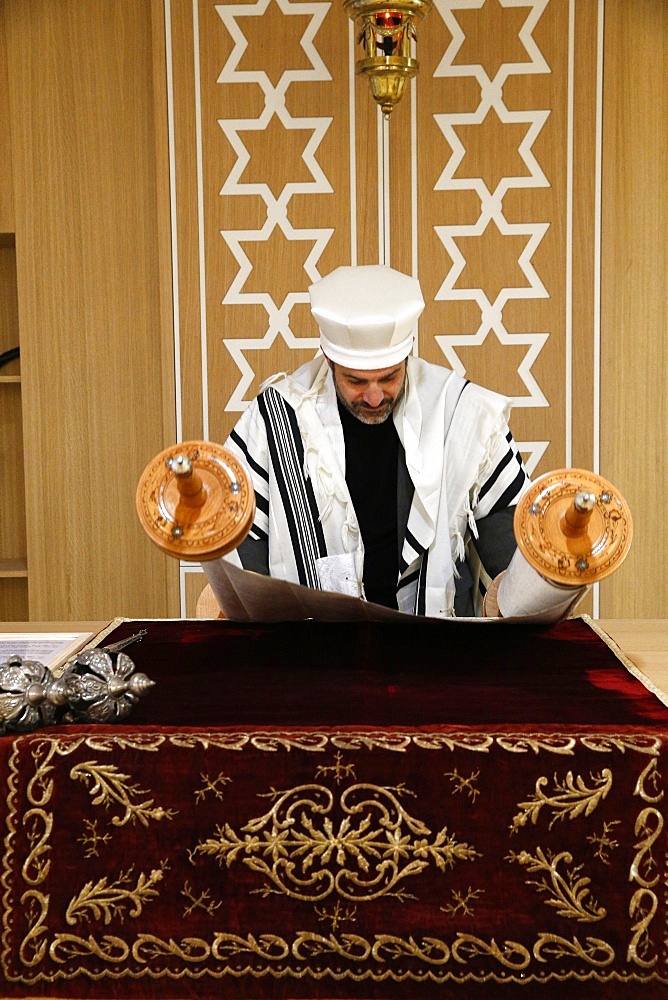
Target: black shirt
372,454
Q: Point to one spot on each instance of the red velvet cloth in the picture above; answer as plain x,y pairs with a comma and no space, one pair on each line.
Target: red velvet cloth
345,811
418,673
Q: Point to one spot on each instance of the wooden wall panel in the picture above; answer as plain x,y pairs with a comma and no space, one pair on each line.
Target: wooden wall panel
6,176
503,153
634,321
88,250
483,183
281,170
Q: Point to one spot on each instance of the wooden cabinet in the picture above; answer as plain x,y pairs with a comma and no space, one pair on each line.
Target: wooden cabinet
13,561
86,277
13,552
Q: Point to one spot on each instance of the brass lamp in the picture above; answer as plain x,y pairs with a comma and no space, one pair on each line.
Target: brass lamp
385,31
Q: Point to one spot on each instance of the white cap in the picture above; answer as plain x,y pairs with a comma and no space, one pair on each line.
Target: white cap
366,315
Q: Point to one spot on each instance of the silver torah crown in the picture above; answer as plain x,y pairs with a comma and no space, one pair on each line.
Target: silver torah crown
96,686
106,691
30,695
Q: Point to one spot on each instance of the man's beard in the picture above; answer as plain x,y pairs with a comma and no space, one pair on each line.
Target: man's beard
371,414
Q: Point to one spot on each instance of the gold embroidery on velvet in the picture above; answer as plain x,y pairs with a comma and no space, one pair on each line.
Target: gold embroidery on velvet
337,915
462,902
269,947
604,842
464,784
553,946
644,905
567,893
109,785
642,743
553,744
215,787
135,741
34,945
478,742
649,822
91,839
645,871
106,901
376,846
512,954
650,777
194,952
110,948
221,741
338,770
308,945
201,902
38,824
390,947
571,798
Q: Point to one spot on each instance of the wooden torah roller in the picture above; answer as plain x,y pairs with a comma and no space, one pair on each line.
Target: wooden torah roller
573,527
195,501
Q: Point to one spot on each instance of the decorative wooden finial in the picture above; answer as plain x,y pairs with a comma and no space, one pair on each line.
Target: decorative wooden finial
573,527
195,501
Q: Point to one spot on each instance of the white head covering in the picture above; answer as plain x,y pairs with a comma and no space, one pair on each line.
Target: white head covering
366,315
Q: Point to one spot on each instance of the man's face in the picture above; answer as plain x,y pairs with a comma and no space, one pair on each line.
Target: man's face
371,396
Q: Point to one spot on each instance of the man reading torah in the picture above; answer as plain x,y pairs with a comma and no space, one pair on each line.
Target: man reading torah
377,474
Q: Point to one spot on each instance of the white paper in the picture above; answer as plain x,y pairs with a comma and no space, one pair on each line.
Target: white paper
51,649
244,596
523,592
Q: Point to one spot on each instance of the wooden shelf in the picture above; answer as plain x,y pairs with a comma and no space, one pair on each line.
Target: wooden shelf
13,568
10,378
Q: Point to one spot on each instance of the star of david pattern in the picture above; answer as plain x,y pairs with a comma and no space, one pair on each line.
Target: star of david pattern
292,172
511,245
244,67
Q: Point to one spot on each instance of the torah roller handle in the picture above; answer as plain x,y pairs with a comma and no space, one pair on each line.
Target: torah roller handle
195,501
573,527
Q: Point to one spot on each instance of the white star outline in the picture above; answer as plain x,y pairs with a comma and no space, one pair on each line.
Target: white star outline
491,200
491,88
277,208
233,185
279,314
230,74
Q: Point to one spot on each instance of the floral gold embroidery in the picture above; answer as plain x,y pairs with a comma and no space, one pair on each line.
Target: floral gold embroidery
215,786
103,901
368,854
594,951
201,902
339,770
568,893
571,798
649,779
91,839
462,902
649,822
604,842
464,784
337,915
643,907
109,785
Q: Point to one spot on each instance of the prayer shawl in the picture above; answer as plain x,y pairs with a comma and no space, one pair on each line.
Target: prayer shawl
460,457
